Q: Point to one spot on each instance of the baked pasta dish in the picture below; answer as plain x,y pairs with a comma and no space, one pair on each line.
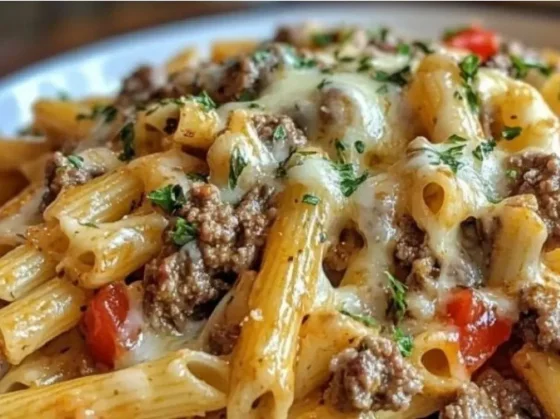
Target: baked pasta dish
337,223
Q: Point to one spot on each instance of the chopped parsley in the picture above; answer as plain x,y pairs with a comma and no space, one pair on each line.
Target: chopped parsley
423,46
469,69
521,67
170,197
310,199
404,341
323,39
237,163
89,224
398,294
509,133
364,319
512,174
384,89
261,56
323,83
457,95
305,63
279,133
204,101
76,161
126,136
456,139
449,157
254,105
246,96
340,150
484,149
399,77
364,64
403,49
183,232
359,146
349,182
107,113
346,59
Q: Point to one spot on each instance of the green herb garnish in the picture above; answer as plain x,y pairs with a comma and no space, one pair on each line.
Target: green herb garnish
76,161
107,113
89,224
512,174
323,83
399,77
423,46
404,341
484,149
384,89
403,49
126,137
237,163
456,139
398,294
449,157
169,197
204,101
521,67
364,64
183,232
261,56
469,69
364,319
359,146
310,199
349,182
323,39
279,133
509,133
340,150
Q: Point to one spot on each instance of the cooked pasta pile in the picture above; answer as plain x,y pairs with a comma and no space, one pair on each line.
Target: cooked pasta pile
337,223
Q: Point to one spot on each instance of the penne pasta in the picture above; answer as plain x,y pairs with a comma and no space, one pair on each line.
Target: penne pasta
32,321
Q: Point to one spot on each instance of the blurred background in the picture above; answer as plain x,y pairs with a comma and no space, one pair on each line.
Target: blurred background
32,31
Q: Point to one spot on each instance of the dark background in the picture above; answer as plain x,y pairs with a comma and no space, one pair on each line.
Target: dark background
32,31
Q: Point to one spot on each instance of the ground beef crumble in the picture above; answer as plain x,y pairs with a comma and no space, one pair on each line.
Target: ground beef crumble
374,376
267,125
413,257
223,338
541,324
180,281
338,255
539,174
492,397
60,174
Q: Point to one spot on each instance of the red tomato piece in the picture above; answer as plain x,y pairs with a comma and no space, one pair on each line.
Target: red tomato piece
481,331
104,316
479,41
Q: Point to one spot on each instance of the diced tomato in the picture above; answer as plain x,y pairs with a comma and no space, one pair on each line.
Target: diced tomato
103,319
479,41
481,331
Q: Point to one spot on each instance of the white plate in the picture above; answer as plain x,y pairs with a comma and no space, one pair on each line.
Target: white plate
97,69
